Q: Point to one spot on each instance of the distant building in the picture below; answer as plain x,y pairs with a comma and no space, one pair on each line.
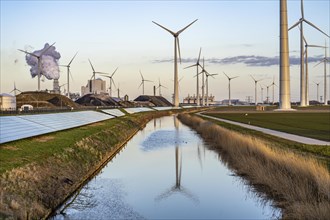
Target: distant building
94,86
234,102
193,99
7,102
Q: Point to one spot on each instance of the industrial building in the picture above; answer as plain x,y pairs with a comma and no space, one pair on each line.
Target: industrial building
94,86
7,102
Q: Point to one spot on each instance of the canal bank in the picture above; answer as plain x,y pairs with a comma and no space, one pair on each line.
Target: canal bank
298,184
64,161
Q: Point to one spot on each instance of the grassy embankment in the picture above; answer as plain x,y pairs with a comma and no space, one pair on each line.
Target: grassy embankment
314,125
37,174
299,185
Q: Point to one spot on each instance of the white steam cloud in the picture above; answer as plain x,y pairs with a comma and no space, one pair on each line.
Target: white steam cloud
49,63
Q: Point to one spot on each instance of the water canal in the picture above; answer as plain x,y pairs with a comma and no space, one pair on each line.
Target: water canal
166,171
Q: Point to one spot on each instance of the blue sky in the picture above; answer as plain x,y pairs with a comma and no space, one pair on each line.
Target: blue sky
121,34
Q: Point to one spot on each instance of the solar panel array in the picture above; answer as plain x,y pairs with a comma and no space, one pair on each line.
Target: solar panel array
136,110
114,112
18,127
165,108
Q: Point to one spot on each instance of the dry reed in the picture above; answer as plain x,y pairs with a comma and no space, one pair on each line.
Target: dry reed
299,185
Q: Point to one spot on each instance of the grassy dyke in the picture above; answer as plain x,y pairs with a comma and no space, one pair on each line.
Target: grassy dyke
313,125
321,152
299,185
37,174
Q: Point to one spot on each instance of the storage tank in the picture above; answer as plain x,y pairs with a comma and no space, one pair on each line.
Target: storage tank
7,102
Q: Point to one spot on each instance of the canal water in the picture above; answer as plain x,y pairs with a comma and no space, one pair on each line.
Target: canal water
166,171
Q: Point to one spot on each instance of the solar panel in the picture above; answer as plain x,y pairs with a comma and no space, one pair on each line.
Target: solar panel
18,127
165,108
114,112
137,110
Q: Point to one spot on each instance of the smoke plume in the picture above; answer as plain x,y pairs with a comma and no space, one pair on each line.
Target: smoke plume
49,63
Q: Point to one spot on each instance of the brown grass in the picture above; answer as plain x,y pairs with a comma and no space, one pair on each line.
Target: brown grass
299,185
44,138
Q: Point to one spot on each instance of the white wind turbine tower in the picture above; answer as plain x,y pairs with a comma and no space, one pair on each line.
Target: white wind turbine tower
160,86
255,88
69,73
176,48
142,83
325,60
229,79
39,58
197,64
306,67
111,81
267,98
317,91
302,72
15,89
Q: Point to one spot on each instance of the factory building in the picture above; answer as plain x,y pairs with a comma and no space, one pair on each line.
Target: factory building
94,86
7,102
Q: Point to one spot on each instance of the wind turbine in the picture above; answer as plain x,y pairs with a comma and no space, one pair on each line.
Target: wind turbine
39,57
160,86
317,91
197,64
325,60
111,81
306,67
255,88
262,94
267,98
15,89
207,74
176,48
62,86
142,83
302,72
273,84
69,73
229,79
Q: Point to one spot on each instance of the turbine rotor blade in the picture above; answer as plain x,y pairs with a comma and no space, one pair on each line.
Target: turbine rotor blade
180,31
311,24
178,41
226,75
141,75
171,32
190,66
319,63
234,77
72,59
253,78
113,82
298,22
140,84
302,9
91,65
316,46
70,74
114,72
32,54
199,56
43,52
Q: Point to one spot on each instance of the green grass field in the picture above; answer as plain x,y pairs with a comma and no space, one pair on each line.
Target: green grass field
313,125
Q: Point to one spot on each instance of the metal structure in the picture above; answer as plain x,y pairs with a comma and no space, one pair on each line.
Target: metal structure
197,64
176,48
325,60
303,85
159,87
39,58
69,73
255,88
142,83
15,89
111,81
317,91
284,96
229,79
207,74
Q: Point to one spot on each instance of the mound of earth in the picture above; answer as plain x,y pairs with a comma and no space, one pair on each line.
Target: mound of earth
45,100
148,100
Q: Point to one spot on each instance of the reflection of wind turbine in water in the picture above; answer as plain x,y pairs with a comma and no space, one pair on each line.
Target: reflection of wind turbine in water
177,188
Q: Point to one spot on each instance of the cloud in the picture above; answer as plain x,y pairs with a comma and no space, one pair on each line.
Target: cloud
249,60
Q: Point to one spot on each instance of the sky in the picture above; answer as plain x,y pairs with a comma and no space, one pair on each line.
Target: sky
240,38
